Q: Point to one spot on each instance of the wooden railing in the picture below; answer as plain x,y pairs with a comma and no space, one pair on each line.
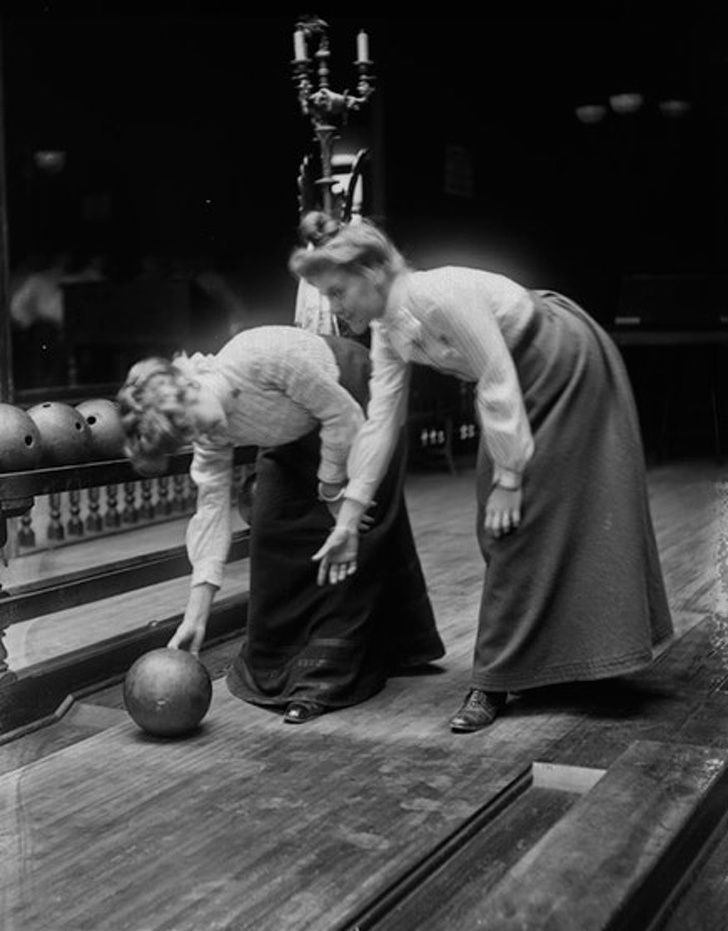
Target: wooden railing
63,518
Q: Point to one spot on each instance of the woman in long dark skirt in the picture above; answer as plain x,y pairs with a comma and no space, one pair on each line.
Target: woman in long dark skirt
297,396
329,647
573,588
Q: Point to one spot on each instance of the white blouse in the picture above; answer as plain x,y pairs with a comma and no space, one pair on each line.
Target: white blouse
460,321
275,383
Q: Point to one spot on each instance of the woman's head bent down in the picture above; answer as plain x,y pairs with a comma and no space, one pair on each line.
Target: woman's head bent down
354,269
162,410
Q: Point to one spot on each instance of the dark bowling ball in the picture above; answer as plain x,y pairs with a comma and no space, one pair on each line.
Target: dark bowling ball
65,438
104,423
167,692
20,442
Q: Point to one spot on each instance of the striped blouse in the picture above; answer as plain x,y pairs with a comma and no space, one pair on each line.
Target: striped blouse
275,383
460,321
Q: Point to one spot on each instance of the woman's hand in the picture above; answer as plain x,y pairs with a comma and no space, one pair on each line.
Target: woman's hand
337,558
191,632
503,510
189,635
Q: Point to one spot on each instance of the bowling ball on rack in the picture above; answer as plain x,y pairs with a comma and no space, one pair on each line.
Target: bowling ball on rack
64,433
20,442
167,692
106,432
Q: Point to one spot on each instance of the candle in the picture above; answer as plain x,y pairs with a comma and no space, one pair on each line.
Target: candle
362,47
299,45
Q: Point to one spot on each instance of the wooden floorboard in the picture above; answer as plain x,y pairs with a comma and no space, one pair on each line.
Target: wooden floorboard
254,824
76,724
442,900
251,824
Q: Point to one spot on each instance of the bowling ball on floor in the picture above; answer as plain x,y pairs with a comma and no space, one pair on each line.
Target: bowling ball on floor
20,442
65,436
106,432
167,692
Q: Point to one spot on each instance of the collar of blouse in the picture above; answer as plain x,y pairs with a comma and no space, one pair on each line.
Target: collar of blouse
402,328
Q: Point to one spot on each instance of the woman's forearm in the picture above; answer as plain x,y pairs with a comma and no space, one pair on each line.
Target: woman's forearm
350,514
200,599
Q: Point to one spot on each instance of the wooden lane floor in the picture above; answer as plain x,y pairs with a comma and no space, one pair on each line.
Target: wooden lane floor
253,824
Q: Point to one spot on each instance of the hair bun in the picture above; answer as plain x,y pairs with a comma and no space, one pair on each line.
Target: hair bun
317,227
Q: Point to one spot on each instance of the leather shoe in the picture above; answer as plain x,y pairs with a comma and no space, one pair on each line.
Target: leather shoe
478,710
298,712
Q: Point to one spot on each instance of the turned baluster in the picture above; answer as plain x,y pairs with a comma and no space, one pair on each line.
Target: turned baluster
146,509
129,515
112,517
75,526
55,527
26,533
164,505
94,523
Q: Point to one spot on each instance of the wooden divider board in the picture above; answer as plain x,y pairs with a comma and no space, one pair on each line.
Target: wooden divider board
622,849
616,858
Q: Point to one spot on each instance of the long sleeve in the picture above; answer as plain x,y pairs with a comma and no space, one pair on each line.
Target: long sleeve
210,528
299,376
386,414
468,320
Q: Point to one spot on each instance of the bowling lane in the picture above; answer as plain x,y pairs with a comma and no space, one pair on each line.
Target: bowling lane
251,824
256,825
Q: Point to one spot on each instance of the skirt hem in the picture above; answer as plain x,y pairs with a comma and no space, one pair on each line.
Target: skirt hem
566,674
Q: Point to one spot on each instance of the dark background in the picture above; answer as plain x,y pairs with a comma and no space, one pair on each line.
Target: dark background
184,137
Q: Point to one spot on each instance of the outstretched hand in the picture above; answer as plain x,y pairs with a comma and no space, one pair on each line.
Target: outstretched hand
337,558
503,511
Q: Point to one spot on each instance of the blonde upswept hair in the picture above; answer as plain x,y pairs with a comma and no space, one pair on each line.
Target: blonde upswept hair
153,414
352,247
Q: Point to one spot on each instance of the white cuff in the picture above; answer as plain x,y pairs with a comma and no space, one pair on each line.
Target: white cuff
357,491
508,479
332,498
209,571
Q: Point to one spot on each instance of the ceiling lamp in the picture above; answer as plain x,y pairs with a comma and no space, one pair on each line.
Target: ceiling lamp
674,108
623,104
49,160
590,113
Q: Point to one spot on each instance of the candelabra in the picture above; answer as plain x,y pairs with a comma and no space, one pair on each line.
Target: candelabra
318,101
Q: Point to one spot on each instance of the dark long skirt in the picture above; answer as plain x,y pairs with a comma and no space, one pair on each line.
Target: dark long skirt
332,644
576,593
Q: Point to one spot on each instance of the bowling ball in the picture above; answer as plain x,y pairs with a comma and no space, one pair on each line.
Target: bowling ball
106,432
65,436
167,692
20,442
